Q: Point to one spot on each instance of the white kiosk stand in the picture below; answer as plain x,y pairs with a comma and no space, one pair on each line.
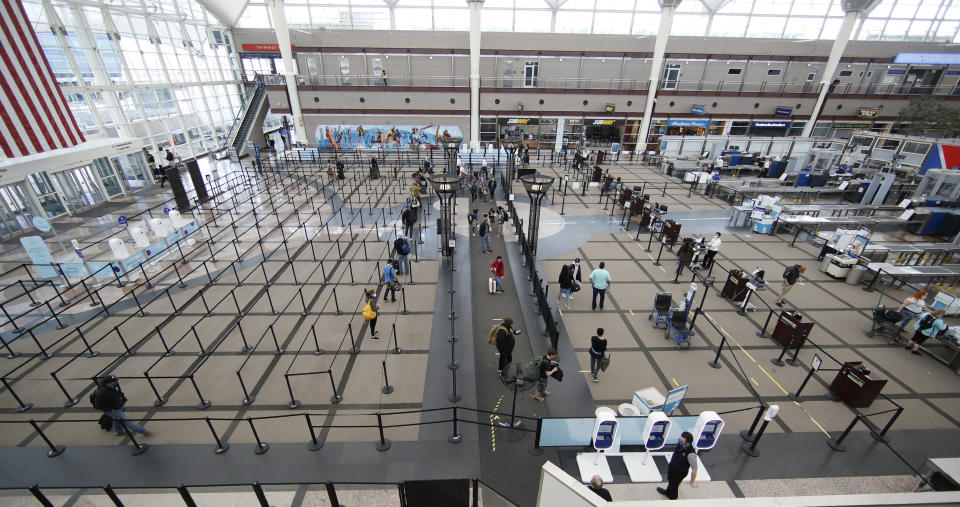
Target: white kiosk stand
606,438
640,466
119,249
139,235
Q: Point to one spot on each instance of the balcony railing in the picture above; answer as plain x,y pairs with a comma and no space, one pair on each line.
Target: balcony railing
641,85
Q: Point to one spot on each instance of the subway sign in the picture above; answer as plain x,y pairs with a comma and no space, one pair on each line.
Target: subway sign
603,122
518,121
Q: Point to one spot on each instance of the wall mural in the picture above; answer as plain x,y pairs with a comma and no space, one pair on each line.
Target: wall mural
348,137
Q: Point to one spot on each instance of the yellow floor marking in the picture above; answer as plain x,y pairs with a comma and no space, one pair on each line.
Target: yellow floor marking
757,363
675,382
631,312
584,371
560,311
496,319
754,381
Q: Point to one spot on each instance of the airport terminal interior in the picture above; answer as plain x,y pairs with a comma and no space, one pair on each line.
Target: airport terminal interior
658,251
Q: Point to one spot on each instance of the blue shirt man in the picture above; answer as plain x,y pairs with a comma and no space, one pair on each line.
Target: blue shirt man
600,278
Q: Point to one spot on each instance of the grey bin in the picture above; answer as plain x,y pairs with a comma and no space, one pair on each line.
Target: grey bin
856,274
827,259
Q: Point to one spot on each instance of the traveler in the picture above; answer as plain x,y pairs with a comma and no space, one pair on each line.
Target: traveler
684,257
496,268
790,278
472,220
566,284
390,281
330,174
111,400
484,231
929,326
505,343
340,174
492,185
502,216
712,248
600,278
369,312
402,249
383,76
598,348
169,156
596,485
575,269
415,191
911,307
548,366
409,218
683,460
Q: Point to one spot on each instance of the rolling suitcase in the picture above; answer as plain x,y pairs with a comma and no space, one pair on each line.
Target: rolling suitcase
492,285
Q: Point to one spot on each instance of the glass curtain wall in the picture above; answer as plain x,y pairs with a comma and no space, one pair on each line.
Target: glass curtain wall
165,72
910,20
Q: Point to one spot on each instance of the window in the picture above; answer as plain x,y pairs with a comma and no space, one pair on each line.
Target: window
912,147
773,72
671,74
846,73
531,73
734,72
889,144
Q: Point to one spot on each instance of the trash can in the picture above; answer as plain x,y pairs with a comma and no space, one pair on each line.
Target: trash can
763,226
856,274
648,400
827,259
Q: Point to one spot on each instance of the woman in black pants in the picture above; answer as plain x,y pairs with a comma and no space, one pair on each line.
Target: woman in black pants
684,257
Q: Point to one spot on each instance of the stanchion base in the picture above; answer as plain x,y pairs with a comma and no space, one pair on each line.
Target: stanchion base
61,326
836,446
746,436
453,398
832,396
713,364
278,352
248,401
139,449
203,405
761,334
165,354
452,339
455,438
510,434
221,450
315,446
336,398
777,362
262,448
795,397
879,438
748,451
13,355
23,408
386,389
293,404
160,402
384,445
246,348
71,402
793,362
396,350
354,350
318,352
45,356
535,451
56,451
128,353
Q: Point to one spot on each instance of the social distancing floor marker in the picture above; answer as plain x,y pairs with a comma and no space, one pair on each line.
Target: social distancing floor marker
631,312
757,363
675,383
493,425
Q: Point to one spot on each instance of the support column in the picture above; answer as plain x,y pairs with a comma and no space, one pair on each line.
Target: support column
667,9
475,6
839,45
283,39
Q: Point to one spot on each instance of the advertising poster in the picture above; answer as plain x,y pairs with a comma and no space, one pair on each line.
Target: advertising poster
348,137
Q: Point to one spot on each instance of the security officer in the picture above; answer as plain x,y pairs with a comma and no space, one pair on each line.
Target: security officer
684,458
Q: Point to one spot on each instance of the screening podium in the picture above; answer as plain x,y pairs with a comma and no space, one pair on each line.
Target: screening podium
854,386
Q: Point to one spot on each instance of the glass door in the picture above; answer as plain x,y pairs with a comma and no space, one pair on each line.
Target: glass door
107,177
47,195
671,74
79,187
17,212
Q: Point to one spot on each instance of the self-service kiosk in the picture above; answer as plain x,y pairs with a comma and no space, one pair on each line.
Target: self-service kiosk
139,235
605,438
707,431
161,227
119,249
640,466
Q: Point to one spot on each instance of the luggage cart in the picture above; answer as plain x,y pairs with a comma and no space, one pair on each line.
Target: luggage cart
886,322
662,302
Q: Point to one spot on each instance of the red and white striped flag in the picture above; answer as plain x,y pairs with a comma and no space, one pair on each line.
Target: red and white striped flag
34,115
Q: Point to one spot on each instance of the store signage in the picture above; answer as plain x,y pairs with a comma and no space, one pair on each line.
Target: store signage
274,48
688,123
852,125
518,121
953,73
928,58
698,109
866,112
603,122
897,71
769,124
784,112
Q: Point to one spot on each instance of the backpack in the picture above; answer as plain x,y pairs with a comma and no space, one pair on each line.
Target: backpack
405,248
105,422
926,322
530,370
93,398
506,215
492,337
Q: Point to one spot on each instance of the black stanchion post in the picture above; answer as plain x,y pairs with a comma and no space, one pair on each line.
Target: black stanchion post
337,397
763,332
247,398
778,361
748,434
55,450
313,331
387,388
221,447
204,404
185,495
23,406
384,443
353,343
750,447
796,396
715,363
261,447
396,346
35,491
315,444
403,296
836,443
138,448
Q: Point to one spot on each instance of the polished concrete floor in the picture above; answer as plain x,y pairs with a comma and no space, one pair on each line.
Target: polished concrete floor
285,255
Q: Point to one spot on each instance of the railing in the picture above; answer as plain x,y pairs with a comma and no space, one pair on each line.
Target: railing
633,84
543,303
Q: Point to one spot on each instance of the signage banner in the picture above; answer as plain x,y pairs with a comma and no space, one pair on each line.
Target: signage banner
155,248
344,137
102,270
604,122
698,109
133,261
769,124
39,254
688,123
558,143
262,48
853,125
74,270
783,112
866,112
928,58
674,399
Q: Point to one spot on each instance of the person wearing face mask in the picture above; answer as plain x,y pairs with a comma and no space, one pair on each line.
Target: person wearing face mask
712,248
683,460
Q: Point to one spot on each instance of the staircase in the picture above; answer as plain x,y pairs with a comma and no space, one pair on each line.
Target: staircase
246,120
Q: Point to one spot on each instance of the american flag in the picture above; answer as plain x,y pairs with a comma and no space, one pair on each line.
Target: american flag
34,115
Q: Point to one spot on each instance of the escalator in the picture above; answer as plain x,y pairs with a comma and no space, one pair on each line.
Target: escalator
249,119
